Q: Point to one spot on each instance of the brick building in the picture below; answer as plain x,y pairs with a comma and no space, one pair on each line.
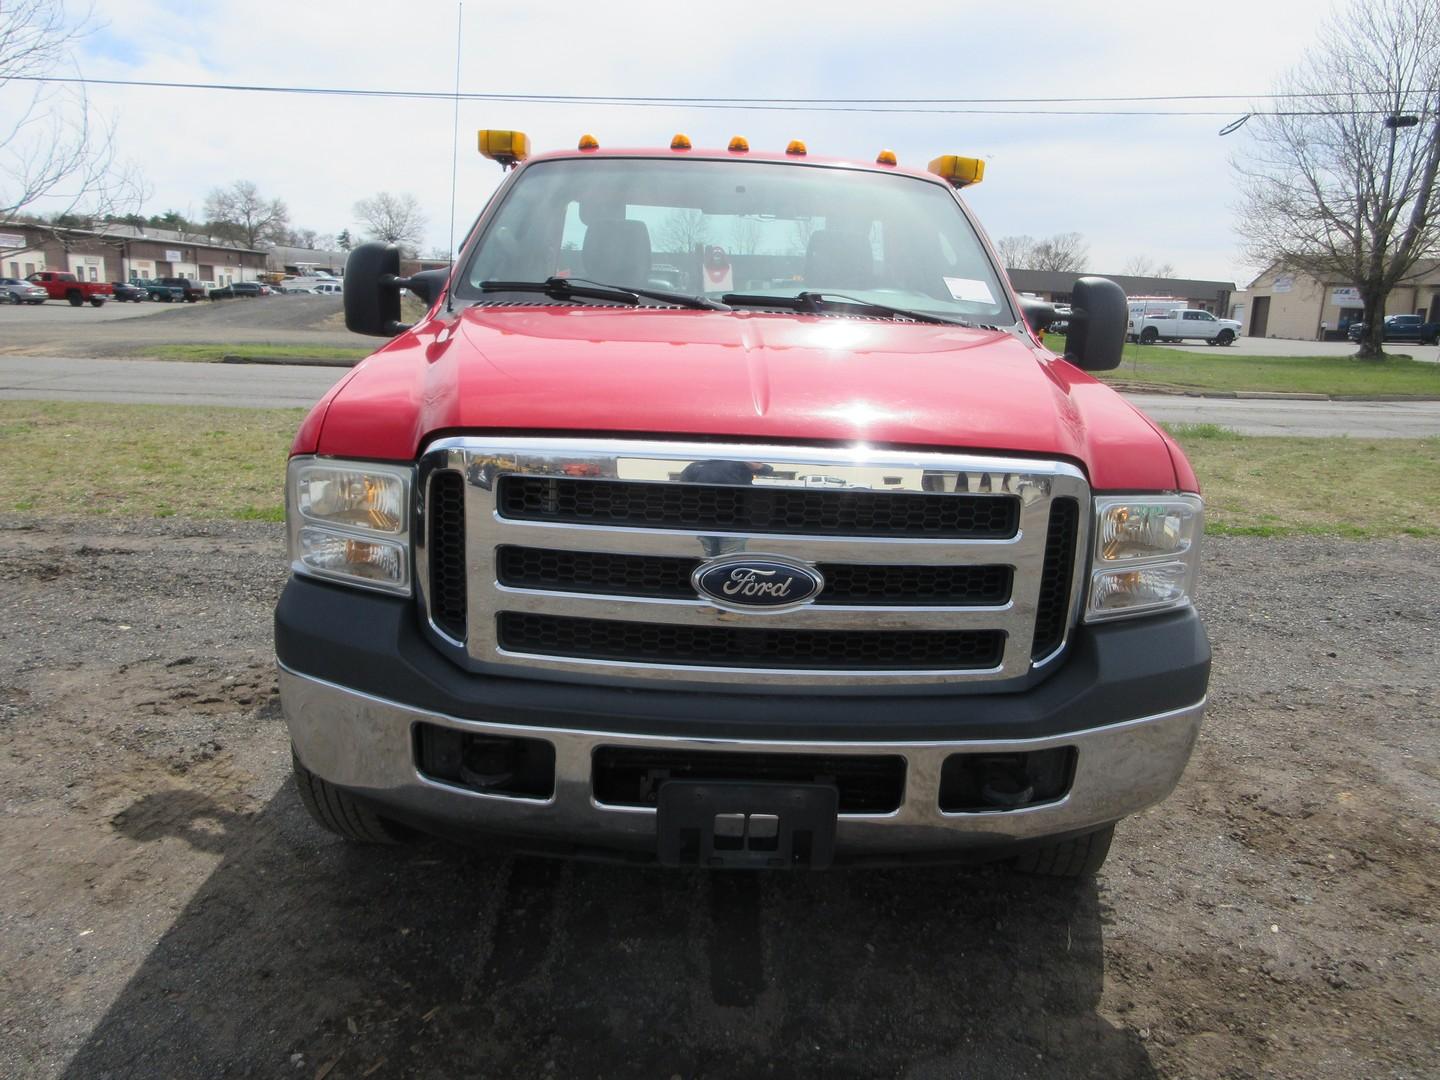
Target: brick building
124,253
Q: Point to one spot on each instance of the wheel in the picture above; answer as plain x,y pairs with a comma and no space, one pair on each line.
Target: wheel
75,298
1077,858
1148,335
97,301
1225,337
9,298
339,812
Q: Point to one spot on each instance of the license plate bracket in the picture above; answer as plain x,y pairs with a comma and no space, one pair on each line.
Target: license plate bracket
720,824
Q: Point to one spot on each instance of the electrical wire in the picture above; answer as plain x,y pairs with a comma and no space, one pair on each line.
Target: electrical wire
944,106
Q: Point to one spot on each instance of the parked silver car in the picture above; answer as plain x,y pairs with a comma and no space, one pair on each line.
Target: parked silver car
15,291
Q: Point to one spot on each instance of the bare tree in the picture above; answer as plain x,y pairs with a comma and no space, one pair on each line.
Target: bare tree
746,235
801,230
1016,252
1144,266
241,214
1063,251
683,231
394,219
55,149
1341,183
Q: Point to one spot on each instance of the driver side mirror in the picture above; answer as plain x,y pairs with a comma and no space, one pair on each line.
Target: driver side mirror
1095,340
372,289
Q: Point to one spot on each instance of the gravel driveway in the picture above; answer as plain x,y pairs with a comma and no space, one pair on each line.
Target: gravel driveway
166,909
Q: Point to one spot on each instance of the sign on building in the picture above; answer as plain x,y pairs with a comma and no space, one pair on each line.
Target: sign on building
1284,283
1345,296
11,240
172,256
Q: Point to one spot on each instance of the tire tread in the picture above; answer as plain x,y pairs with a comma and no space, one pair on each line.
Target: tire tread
339,812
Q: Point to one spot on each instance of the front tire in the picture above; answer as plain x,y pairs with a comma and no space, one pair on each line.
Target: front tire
1081,857
1225,337
96,301
340,812
1149,335
76,300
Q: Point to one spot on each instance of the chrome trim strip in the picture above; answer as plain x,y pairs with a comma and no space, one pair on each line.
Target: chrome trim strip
365,743
483,461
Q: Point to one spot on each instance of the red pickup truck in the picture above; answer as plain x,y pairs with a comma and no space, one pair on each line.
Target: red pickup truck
726,509
63,286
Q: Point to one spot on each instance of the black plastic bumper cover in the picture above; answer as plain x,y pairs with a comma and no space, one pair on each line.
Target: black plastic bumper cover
1112,672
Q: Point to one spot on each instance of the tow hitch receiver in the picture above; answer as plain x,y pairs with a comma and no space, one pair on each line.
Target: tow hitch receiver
757,826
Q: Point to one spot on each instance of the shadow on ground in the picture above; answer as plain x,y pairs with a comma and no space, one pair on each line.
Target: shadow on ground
299,953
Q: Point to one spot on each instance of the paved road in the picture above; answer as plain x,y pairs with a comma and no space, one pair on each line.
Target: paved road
82,379
1251,346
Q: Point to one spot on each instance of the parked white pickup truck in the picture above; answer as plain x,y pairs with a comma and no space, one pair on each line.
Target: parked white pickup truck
1177,324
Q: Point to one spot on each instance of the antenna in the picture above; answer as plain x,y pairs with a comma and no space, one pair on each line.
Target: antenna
455,124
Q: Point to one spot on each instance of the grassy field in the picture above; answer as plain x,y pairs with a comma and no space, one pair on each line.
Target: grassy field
144,460
1272,486
73,458
1231,369
213,353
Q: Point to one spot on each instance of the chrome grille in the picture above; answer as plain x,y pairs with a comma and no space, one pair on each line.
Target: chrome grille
578,555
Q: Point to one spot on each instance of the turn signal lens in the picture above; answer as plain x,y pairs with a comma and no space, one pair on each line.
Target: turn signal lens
885,157
589,142
680,142
1126,592
739,145
334,555
796,147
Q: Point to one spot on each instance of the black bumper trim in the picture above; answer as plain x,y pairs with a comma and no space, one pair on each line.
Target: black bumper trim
1111,672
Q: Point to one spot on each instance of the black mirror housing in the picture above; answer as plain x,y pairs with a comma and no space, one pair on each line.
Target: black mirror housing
1095,340
428,284
372,295
1038,313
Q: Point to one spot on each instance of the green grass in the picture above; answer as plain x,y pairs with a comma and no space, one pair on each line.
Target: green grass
213,353
144,460
210,462
1230,369
1284,486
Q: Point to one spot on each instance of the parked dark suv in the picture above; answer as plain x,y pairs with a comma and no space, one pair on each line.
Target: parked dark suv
1402,328
193,291
126,291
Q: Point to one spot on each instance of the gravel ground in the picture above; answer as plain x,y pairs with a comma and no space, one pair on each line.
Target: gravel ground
166,909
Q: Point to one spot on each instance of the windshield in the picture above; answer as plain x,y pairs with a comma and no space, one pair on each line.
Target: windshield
712,227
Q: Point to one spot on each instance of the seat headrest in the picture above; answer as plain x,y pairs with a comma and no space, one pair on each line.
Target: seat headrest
617,252
839,260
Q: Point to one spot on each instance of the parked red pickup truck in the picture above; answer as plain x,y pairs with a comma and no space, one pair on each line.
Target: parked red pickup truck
63,286
725,509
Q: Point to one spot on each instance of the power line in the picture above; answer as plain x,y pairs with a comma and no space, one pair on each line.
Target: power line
942,106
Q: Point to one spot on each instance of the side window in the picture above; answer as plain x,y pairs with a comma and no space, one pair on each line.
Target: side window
1192,315
1205,316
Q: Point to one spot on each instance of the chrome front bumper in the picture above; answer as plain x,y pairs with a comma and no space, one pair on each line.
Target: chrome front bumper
365,744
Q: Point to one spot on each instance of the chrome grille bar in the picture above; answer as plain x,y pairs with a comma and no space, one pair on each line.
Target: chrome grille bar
484,461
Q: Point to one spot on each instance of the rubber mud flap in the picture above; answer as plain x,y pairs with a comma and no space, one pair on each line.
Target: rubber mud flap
724,824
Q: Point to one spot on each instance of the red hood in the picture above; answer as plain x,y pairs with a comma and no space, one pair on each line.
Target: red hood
745,375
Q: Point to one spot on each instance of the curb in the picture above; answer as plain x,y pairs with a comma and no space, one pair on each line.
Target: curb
290,361
1262,395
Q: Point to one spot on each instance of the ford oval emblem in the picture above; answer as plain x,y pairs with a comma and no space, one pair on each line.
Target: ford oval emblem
757,582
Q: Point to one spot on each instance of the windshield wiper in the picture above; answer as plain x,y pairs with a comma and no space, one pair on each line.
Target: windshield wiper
817,302
571,288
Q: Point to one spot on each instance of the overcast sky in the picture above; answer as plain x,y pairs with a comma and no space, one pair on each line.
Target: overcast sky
1155,186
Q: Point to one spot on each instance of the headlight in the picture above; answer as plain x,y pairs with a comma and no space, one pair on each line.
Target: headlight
1146,553
350,521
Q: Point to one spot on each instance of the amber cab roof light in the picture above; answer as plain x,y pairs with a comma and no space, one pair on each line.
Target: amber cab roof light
796,147
885,157
680,142
509,148
960,171
739,145
589,142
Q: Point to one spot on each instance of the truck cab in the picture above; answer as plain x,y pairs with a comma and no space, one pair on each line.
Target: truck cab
725,509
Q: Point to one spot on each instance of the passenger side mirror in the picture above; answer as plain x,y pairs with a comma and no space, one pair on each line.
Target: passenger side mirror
1095,340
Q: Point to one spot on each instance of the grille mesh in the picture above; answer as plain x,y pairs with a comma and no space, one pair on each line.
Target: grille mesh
668,577
741,508
756,647
447,553
1053,609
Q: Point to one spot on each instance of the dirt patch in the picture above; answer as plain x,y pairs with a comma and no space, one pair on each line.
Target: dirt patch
167,909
